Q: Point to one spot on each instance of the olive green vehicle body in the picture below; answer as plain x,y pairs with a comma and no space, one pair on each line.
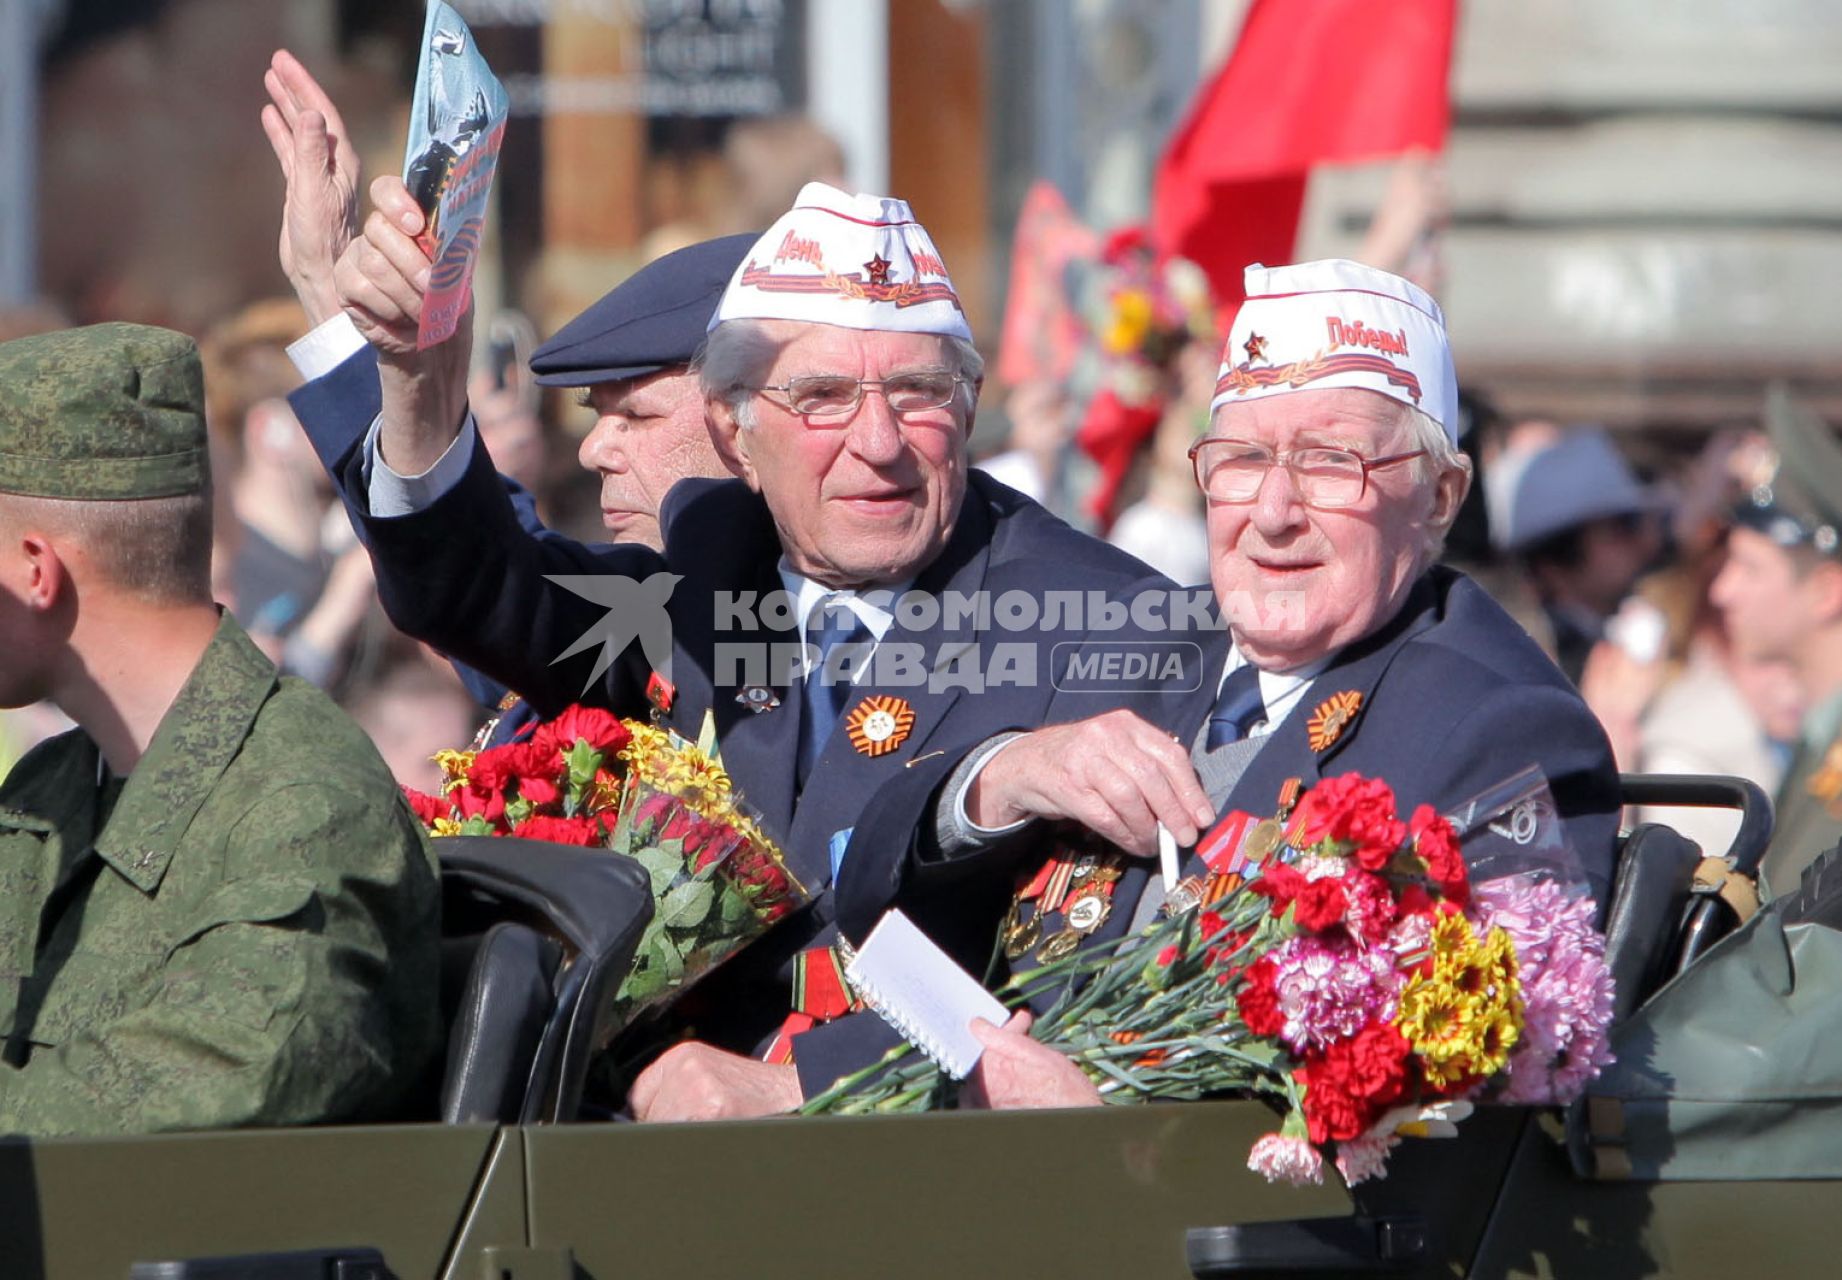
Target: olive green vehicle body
1105,1193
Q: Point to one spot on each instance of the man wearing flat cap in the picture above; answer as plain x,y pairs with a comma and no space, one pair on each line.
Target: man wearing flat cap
1780,594
1331,473
215,907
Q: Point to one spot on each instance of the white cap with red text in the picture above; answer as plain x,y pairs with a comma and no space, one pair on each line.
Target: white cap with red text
861,262
1338,323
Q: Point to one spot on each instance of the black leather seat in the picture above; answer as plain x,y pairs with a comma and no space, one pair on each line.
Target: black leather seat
536,939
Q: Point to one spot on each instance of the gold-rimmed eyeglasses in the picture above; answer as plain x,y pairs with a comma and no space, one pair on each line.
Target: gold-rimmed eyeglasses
1229,470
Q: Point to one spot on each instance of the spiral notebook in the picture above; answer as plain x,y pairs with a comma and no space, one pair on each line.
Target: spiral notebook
919,991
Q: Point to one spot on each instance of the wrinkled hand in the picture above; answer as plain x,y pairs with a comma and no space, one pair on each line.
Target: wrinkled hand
693,1081
319,213
383,276
1115,774
1017,1072
382,279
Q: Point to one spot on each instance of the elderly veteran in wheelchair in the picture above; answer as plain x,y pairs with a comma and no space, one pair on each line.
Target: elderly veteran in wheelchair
1332,473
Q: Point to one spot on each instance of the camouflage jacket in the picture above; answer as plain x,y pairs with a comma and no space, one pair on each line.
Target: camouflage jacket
247,934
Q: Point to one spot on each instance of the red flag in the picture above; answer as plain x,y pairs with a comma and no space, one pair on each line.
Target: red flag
1309,82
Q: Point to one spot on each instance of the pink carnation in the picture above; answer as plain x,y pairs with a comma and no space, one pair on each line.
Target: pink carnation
1284,1159
1566,987
1328,989
1360,1159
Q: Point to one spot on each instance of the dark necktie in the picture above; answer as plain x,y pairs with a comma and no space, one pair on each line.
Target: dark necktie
829,626
1237,707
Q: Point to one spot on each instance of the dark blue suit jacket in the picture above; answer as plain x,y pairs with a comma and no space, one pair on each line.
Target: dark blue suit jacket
468,575
1455,698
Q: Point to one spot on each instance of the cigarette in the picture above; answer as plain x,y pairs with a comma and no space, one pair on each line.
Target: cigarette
1167,857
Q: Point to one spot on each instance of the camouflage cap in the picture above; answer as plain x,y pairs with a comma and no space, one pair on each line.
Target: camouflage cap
112,411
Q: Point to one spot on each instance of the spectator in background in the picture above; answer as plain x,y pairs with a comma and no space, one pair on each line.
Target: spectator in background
769,160
1781,595
413,708
1584,529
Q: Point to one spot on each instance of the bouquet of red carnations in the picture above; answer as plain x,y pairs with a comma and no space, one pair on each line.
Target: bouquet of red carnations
588,778
1355,971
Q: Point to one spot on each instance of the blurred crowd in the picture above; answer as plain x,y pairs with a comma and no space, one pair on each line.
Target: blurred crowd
1628,577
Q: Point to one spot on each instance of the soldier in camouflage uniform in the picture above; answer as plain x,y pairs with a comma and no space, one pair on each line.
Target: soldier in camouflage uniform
1781,595
215,908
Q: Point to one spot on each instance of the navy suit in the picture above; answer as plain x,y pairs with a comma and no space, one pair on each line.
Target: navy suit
1455,698
467,574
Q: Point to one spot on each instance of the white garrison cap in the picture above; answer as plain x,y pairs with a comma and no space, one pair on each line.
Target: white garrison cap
1337,323
861,262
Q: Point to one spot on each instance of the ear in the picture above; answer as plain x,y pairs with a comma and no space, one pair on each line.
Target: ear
36,572
1449,495
731,441
1823,585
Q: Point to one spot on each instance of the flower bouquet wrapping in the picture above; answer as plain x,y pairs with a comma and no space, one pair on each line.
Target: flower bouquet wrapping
588,778
1356,972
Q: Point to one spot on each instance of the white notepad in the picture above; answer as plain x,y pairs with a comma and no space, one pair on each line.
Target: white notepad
919,991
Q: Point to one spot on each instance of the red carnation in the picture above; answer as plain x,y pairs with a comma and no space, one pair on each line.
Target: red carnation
1320,904
426,807
679,825
577,831
1357,811
1259,999
1436,843
602,730
476,802
495,767
1352,1081
1168,956
1281,883
540,791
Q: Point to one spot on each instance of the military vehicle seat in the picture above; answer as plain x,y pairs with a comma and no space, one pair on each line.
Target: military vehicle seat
536,938
1661,916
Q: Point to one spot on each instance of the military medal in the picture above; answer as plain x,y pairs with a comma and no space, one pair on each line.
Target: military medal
1021,935
661,693
1332,717
1059,946
1263,840
758,698
879,724
1186,893
1088,910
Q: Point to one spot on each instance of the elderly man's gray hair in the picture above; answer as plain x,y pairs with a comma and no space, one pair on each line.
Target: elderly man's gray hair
1442,455
737,355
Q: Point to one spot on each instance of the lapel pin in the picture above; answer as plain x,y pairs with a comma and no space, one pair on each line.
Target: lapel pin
758,698
1332,717
879,724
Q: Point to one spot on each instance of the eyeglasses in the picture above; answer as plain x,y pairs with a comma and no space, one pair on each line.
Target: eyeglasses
824,395
1233,470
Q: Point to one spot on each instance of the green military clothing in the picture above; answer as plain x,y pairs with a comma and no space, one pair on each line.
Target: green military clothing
1808,810
244,931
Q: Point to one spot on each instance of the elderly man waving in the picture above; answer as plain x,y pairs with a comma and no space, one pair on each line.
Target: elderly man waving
1331,473
824,608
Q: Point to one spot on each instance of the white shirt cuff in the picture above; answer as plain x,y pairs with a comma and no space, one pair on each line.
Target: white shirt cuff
982,756
327,346
390,493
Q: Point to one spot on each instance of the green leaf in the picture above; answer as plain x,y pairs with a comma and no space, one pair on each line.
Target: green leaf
476,826
662,865
685,906
516,811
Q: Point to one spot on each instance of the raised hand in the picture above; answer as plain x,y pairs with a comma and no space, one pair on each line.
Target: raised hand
320,167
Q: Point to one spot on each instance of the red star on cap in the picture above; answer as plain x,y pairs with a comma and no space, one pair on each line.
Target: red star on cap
877,269
1255,347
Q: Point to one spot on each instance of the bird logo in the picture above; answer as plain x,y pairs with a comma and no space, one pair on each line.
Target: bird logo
637,610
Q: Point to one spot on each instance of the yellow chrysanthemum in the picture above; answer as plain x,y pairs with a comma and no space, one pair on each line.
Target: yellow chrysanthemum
445,827
1463,1018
